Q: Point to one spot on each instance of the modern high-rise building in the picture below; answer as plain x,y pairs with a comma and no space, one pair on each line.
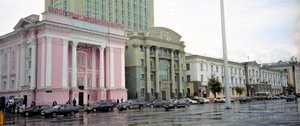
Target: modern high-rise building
134,15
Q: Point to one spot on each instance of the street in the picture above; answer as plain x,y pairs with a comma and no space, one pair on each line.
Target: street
275,112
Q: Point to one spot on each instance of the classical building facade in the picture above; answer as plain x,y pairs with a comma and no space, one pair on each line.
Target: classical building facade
155,64
292,72
61,58
199,69
136,15
249,75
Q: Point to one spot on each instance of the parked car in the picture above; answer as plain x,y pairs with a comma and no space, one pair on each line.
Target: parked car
244,99
204,100
131,104
157,103
36,110
290,98
219,100
63,109
191,101
178,103
275,97
283,96
113,102
100,106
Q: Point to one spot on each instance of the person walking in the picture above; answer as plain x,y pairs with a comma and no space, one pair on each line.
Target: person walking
68,102
74,102
54,103
32,104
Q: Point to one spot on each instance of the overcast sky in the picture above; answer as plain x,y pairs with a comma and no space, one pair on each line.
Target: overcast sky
261,30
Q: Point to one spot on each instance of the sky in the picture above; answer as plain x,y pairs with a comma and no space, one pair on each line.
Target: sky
261,30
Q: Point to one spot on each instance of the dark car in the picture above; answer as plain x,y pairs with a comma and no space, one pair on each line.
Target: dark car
178,103
157,103
113,102
131,104
64,109
36,110
290,98
244,99
101,106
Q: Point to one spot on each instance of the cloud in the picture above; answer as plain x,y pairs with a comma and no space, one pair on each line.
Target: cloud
261,29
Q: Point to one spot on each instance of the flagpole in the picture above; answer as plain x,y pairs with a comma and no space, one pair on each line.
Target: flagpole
228,103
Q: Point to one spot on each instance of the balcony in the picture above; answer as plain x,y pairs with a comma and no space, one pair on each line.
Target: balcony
166,56
152,68
152,54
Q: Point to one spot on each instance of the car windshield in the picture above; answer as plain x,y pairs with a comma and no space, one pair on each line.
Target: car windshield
56,107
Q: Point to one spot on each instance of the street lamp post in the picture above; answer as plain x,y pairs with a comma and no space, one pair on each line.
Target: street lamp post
228,103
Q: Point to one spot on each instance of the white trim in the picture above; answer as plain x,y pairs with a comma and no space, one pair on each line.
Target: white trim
1,53
123,68
10,45
112,68
65,63
43,62
74,64
8,71
107,59
101,66
48,61
17,69
81,40
94,67
33,64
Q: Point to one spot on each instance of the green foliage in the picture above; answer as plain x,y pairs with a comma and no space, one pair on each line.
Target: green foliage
214,85
239,90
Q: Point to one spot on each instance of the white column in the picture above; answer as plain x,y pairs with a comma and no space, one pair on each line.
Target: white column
17,69
94,67
74,64
33,65
43,62
8,69
101,66
22,67
107,72
1,60
48,61
148,73
123,67
157,85
173,74
65,64
112,68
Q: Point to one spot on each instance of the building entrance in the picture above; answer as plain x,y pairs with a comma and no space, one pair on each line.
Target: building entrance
80,100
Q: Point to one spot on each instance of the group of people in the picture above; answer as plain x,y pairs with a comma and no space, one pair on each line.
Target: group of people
68,102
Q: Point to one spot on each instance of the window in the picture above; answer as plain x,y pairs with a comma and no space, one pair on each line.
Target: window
142,62
232,91
4,84
29,64
188,78
217,68
187,66
211,68
201,66
29,79
152,77
143,92
201,77
142,76
12,84
152,91
141,48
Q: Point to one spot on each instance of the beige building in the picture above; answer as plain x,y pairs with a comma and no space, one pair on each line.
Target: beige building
136,15
155,64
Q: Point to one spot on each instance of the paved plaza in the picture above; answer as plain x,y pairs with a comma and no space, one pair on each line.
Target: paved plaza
275,112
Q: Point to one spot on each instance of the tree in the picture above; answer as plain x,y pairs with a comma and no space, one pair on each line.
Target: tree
214,86
239,90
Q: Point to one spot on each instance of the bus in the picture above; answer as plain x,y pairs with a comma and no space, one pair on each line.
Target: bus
262,95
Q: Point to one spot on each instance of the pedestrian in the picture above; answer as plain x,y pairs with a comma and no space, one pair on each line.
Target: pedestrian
68,102
74,102
122,100
118,101
54,103
32,104
2,107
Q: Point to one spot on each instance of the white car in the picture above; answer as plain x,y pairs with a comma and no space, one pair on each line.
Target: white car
219,100
191,101
203,100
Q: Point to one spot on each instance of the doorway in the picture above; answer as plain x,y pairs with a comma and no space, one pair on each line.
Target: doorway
80,98
25,100
163,95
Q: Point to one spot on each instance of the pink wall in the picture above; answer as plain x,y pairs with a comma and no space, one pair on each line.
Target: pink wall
57,61
61,97
39,61
117,70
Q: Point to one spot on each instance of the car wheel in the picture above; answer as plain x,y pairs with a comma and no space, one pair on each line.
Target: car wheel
94,110
152,106
127,107
72,113
140,107
54,114
27,114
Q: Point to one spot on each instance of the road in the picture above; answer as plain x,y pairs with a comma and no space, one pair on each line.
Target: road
275,112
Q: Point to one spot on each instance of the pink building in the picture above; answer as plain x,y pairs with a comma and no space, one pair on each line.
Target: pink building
62,57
